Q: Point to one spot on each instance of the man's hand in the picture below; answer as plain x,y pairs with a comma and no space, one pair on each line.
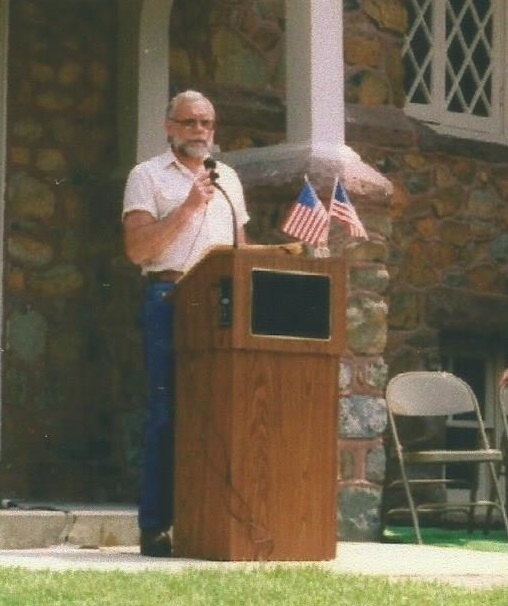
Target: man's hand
145,237
201,192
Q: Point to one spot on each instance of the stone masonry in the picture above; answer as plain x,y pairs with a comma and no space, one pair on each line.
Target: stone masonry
447,255
271,187
69,427
361,406
73,380
436,262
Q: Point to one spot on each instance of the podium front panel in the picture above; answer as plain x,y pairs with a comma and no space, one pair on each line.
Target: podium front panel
258,339
256,457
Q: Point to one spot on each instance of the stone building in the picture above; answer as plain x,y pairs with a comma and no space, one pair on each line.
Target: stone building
317,87
425,91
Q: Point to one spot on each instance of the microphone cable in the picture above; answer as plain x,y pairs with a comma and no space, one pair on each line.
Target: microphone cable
211,164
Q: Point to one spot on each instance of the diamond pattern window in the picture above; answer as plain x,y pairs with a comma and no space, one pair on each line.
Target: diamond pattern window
454,62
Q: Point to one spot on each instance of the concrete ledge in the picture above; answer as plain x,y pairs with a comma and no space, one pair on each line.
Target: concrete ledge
29,526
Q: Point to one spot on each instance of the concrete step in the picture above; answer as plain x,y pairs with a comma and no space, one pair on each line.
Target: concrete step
34,525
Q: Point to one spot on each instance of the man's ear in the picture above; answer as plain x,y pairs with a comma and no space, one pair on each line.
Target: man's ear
168,126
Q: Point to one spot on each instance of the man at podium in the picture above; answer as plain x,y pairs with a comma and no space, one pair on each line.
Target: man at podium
177,206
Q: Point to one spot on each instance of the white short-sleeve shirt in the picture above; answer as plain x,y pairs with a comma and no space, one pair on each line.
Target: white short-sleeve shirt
161,184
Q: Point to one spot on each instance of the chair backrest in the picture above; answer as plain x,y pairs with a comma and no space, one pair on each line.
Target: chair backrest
429,393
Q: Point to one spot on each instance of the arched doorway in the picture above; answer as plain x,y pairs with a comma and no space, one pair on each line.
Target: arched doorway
233,51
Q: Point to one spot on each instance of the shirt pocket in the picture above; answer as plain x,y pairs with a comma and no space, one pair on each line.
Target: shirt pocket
166,203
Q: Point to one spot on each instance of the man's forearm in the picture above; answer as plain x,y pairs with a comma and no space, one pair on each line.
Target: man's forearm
145,238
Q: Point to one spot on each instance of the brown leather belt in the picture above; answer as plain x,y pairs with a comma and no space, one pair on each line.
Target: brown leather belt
168,275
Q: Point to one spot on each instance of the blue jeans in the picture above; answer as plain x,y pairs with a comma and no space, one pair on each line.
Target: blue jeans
156,503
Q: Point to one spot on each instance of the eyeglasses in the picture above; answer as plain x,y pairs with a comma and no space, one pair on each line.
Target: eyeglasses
191,123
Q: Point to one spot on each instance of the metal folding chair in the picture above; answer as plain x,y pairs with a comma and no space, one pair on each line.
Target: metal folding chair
438,394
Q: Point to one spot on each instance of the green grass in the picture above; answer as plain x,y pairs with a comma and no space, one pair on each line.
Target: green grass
298,586
494,541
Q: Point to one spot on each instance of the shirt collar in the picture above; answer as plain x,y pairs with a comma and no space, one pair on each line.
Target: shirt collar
168,159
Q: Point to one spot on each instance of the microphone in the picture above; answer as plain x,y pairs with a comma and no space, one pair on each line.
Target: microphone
211,164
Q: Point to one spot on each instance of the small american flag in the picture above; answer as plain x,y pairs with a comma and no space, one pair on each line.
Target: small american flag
342,209
308,219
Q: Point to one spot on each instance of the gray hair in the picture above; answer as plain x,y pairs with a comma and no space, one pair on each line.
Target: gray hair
188,96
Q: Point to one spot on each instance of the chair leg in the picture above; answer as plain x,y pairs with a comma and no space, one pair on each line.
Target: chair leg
473,495
499,499
382,514
498,469
391,466
411,503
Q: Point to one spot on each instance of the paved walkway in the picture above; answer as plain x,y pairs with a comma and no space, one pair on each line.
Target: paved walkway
455,566
80,531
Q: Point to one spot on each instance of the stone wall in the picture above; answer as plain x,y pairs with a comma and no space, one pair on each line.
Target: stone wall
70,402
447,259
235,53
73,383
272,185
73,364
447,255
362,408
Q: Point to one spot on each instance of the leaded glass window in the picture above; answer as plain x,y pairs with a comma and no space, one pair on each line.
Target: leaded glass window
453,59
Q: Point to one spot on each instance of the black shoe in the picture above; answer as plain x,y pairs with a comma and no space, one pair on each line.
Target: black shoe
155,543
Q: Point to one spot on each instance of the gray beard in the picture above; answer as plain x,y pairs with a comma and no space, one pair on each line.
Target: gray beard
192,150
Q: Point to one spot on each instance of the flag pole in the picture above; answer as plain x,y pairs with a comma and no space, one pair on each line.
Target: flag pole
322,251
343,209
334,189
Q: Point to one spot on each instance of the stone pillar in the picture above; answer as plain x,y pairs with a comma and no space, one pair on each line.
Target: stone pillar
273,177
272,180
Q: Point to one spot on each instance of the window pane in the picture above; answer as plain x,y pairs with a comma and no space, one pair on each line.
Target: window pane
418,52
469,39
455,65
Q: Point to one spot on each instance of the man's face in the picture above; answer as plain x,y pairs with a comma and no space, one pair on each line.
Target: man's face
192,128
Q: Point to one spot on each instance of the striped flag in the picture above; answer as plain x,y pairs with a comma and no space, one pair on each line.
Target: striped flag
307,219
342,209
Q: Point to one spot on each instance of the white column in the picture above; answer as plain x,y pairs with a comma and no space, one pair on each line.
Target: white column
315,85
153,77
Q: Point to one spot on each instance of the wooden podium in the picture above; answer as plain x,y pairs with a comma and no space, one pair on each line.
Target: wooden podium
258,337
